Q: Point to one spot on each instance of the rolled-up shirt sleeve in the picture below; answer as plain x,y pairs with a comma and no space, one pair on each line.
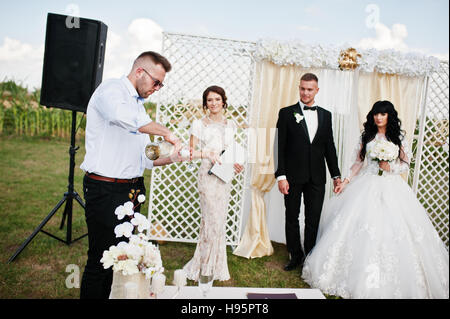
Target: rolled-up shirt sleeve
142,119
114,106
148,164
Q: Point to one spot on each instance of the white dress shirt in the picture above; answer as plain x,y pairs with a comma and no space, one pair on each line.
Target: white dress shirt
114,146
312,123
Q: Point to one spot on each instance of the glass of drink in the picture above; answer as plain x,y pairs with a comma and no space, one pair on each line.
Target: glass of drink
205,281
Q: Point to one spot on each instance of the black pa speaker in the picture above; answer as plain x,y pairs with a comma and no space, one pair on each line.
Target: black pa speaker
73,61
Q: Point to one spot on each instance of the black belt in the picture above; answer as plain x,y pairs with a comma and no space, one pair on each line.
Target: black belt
112,180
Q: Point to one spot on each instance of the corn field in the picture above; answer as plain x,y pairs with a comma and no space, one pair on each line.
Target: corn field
22,115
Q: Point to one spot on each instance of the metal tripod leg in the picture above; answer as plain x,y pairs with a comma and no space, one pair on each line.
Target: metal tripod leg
39,228
68,198
79,200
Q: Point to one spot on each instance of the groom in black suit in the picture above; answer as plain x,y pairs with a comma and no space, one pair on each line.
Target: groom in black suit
305,141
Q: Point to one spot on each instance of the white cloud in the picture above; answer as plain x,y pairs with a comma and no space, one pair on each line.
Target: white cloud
394,38
121,49
12,49
145,35
386,38
22,62
307,28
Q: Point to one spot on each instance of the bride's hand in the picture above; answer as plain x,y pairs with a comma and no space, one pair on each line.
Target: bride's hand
384,166
340,188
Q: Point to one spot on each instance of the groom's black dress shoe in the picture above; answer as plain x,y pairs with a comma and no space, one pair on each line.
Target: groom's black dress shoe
294,263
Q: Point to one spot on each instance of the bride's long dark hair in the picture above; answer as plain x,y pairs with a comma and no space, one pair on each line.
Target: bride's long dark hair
393,132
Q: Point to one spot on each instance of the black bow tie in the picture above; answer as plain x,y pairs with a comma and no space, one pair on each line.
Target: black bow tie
311,108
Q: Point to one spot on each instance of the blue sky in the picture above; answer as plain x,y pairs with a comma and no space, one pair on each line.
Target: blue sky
416,25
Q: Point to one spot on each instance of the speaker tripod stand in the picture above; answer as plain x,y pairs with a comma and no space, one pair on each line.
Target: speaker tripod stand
67,198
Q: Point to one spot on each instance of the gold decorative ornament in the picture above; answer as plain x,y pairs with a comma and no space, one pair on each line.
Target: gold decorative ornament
348,59
440,133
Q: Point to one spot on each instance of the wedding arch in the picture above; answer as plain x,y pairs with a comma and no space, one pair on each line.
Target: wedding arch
260,78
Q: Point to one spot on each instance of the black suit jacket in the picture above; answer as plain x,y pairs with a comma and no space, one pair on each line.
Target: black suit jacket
298,158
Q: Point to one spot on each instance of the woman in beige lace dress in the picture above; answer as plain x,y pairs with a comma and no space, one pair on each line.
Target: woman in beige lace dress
209,136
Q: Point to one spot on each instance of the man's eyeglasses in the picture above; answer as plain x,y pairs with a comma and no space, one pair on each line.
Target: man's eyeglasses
156,82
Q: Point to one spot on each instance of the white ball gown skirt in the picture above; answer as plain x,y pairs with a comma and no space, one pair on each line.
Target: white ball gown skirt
375,240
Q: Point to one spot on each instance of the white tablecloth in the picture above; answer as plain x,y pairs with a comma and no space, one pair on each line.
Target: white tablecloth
193,292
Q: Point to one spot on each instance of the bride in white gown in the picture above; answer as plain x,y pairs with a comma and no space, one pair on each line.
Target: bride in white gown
375,239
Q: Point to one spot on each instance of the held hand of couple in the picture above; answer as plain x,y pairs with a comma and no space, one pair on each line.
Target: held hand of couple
339,186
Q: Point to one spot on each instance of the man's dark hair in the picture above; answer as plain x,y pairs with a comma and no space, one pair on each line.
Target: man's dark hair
309,77
157,59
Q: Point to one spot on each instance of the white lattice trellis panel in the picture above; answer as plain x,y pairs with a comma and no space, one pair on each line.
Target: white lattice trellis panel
197,63
431,173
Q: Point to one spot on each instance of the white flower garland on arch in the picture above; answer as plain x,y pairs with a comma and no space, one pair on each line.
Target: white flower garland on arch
327,56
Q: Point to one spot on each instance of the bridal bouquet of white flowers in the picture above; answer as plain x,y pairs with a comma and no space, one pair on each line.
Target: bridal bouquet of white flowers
138,255
383,151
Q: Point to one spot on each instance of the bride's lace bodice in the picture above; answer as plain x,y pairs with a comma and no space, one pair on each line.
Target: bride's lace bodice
368,166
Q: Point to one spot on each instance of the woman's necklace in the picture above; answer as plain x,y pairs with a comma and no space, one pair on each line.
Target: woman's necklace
220,121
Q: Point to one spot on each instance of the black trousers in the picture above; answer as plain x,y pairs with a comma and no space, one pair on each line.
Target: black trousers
101,199
314,195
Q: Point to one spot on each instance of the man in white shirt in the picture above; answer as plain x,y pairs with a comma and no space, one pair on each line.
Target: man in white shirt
305,142
117,131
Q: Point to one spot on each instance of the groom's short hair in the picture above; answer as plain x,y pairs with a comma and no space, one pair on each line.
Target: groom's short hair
309,77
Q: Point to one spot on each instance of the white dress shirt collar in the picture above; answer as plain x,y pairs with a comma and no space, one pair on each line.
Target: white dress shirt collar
131,89
302,105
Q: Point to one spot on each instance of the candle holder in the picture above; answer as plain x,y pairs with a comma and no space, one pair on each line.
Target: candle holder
158,284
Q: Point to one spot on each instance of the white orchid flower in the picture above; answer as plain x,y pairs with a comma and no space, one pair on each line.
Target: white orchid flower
128,266
134,251
125,229
129,208
141,222
298,117
120,212
107,259
137,254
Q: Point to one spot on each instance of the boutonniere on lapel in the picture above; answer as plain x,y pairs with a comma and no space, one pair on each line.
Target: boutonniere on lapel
298,117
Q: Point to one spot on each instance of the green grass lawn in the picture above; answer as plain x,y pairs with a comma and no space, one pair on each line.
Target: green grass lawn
33,179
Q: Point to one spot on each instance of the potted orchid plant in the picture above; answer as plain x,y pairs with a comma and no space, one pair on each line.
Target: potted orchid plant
136,260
